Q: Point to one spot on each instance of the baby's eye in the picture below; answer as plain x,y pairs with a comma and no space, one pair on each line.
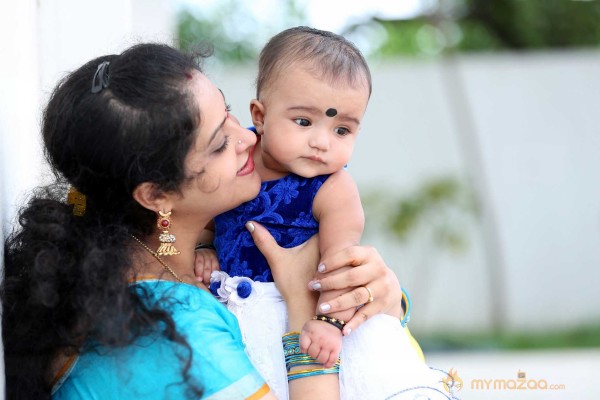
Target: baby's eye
342,131
302,121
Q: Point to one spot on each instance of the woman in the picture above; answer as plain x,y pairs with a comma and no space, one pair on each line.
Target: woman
91,308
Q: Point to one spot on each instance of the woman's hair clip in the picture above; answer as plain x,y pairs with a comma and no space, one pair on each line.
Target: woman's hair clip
78,201
100,80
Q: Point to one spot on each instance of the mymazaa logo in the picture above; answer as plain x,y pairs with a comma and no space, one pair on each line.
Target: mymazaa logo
452,382
521,383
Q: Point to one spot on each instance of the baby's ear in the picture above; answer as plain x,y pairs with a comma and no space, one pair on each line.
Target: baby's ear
257,111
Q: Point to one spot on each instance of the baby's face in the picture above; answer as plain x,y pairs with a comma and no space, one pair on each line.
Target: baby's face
309,126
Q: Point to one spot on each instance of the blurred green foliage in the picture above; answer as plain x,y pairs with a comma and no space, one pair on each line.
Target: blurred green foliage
193,31
576,337
439,209
232,28
491,25
237,32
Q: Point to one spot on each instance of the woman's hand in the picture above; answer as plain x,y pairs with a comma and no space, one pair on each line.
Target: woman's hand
369,271
292,269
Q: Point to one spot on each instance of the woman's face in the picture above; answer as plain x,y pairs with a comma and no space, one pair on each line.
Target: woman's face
219,166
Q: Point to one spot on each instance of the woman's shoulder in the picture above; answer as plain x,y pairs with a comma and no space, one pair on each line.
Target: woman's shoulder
152,366
193,309
168,293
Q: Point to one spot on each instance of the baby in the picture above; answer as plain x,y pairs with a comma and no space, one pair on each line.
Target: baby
307,114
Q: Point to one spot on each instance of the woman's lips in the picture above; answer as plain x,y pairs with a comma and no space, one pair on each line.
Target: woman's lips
248,168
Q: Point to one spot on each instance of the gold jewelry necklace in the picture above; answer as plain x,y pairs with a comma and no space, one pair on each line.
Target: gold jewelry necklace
165,266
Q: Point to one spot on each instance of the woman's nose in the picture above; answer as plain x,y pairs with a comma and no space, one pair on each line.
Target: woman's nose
245,138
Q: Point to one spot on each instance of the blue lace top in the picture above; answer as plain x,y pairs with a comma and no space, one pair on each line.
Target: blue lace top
284,207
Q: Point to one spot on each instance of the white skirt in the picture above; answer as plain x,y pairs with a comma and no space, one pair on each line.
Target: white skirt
378,360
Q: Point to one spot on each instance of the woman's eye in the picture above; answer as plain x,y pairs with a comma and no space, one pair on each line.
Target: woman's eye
342,131
223,147
302,121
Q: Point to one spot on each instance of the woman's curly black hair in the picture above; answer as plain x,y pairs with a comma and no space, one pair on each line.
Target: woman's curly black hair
65,277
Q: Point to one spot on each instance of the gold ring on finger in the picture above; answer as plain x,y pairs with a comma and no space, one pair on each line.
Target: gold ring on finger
371,298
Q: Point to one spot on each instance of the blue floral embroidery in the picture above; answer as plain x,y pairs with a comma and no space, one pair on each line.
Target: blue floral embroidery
284,207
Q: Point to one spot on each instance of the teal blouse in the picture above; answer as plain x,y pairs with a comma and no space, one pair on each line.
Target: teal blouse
151,368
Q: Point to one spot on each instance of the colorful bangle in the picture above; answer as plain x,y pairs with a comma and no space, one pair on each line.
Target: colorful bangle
313,372
407,305
338,323
291,351
294,358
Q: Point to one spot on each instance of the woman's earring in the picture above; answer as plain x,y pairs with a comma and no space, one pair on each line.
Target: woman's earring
166,239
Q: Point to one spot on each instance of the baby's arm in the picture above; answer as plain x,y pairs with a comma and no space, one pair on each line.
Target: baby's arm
339,211
206,257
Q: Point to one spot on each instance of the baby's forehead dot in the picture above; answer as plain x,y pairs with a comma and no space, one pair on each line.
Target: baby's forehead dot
331,112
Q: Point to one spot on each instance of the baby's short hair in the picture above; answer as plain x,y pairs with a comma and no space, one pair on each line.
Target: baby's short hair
330,56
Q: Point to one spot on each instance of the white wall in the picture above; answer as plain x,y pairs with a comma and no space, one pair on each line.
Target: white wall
19,94
537,139
539,131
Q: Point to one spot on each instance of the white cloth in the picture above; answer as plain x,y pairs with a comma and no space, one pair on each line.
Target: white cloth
378,361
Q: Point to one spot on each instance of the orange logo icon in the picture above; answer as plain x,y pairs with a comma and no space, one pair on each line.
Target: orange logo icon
452,381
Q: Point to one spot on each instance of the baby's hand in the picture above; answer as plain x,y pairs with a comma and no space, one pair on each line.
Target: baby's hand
205,263
322,341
